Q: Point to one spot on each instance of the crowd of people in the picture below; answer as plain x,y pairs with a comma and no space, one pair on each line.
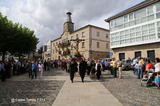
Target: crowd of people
12,68
80,66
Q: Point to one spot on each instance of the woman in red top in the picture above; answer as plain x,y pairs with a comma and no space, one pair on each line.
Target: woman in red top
148,66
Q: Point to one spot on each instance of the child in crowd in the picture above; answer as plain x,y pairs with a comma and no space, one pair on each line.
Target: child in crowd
136,68
157,80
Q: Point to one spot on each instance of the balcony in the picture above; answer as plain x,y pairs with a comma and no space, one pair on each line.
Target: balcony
65,43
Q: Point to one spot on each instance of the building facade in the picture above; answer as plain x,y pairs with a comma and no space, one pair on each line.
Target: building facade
136,31
96,42
47,51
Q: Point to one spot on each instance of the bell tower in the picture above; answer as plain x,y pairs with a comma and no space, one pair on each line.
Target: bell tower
68,25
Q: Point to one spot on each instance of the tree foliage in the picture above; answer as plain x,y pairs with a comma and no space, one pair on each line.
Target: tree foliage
40,50
15,38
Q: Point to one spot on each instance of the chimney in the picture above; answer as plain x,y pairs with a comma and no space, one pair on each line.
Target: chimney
69,17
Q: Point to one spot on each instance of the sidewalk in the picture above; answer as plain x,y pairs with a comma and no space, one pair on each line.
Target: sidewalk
89,93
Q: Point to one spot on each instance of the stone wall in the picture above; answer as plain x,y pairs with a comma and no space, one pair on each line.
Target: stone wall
97,55
130,51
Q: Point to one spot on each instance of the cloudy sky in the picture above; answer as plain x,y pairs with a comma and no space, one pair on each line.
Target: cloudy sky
46,17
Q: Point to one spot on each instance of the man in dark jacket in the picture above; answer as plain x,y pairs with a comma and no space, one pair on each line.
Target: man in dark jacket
8,70
45,65
72,70
3,71
82,68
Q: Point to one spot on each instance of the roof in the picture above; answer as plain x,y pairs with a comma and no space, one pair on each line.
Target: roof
134,8
90,26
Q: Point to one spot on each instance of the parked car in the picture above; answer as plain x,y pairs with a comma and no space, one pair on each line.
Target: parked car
126,64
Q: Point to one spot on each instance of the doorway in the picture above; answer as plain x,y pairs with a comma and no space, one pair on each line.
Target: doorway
151,55
121,55
137,54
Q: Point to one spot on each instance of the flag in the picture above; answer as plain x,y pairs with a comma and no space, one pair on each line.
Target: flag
59,46
62,45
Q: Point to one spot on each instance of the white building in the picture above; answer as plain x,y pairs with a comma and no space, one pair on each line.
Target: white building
47,51
136,31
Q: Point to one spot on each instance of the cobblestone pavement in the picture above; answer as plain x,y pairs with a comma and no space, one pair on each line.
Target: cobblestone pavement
129,92
22,91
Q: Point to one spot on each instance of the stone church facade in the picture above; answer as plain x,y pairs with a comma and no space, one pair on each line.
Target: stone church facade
96,42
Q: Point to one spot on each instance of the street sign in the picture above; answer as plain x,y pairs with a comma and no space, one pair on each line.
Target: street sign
110,53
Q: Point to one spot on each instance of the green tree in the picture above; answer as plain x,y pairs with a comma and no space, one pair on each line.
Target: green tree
15,38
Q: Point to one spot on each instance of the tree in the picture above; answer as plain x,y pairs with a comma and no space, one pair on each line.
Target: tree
5,34
40,50
15,38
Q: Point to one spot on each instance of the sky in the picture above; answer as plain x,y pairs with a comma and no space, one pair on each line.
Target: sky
46,17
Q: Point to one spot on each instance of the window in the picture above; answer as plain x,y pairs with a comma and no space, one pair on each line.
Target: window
71,37
158,29
119,21
126,24
150,10
158,15
127,41
122,41
122,33
107,46
83,35
131,23
152,31
76,36
140,13
97,33
144,19
138,39
158,35
133,40
112,22
144,27
83,45
53,44
138,21
137,54
122,37
132,30
127,32
132,34
152,37
151,55
106,35
121,55
158,6
127,36
138,33
151,17
144,38
145,32
126,18
158,23
131,16
98,45
138,29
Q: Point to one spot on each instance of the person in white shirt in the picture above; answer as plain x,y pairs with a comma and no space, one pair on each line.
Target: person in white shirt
134,63
41,68
157,65
136,68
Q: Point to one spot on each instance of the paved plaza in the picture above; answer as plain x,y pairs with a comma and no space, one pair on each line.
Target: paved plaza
56,89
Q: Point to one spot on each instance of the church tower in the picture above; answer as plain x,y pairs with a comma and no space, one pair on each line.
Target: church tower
68,25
